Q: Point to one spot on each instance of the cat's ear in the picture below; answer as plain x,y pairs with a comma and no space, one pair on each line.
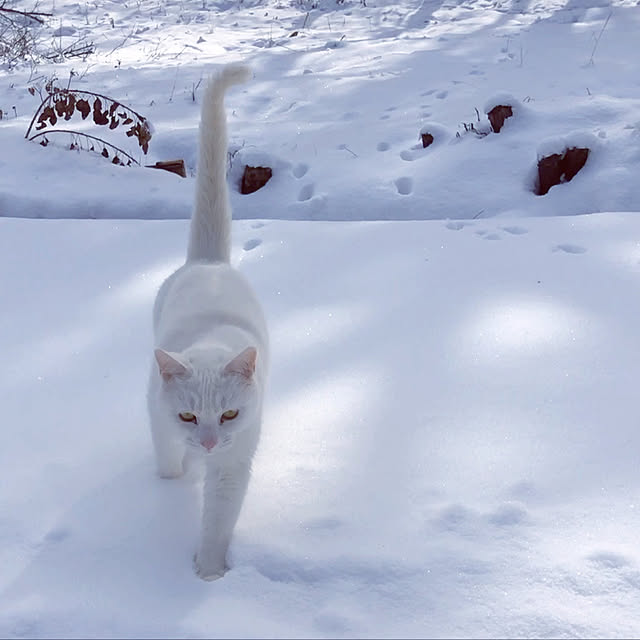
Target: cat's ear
243,364
169,364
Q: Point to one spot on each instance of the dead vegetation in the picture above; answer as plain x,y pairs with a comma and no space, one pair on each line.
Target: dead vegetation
61,106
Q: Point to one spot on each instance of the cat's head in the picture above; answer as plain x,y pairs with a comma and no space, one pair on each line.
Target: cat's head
211,395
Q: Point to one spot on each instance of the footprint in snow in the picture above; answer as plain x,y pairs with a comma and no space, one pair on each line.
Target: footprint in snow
384,117
428,93
332,623
383,146
524,491
569,248
455,517
485,235
306,193
508,514
456,225
442,95
609,560
404,185
252,244
283,568
515,230
57,535
300,170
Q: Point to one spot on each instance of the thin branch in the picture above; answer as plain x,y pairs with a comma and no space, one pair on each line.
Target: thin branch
597,42
89,136
34,15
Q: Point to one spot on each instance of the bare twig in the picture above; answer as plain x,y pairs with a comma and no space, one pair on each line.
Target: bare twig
194,88
78,49
34,15
88,136
124,41
597,42
173,88
344,146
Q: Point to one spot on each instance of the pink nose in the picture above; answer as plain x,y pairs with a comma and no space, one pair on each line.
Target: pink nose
208,443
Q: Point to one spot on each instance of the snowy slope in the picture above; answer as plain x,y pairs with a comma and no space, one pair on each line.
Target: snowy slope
450,444
451,435
337,110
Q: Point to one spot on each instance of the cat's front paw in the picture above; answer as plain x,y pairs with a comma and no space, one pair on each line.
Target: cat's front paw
208,571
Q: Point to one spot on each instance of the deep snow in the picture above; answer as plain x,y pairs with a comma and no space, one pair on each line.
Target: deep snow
449,449
341,125
451,434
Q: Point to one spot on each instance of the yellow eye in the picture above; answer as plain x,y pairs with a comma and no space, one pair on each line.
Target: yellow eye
187,416
229,415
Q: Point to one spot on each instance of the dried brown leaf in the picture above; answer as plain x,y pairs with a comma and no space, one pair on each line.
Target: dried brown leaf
99,116
47,114
144,136
65,105
70,106
83,107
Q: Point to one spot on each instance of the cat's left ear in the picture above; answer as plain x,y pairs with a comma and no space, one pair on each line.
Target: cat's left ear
169,365
243,364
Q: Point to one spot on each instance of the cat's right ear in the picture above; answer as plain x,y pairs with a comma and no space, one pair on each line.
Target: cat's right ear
244,364
169,365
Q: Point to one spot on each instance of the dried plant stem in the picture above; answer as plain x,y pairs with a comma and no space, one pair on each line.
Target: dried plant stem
597,42
34,15
90,137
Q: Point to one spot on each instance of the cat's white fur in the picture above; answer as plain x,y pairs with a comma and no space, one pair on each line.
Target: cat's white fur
211,353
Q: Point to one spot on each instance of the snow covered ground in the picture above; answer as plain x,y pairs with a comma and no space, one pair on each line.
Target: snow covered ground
451,438
337,110
450,447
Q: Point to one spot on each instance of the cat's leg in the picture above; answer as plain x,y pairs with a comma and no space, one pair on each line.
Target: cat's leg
169,450
224,492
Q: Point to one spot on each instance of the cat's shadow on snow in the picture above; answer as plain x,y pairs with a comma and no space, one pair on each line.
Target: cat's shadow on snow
133,533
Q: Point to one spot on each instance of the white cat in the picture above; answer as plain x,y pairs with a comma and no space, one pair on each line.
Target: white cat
210,367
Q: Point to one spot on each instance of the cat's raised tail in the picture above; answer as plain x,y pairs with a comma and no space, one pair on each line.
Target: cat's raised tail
210,235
